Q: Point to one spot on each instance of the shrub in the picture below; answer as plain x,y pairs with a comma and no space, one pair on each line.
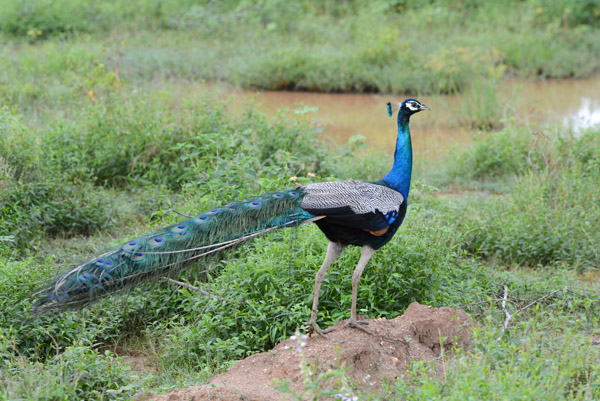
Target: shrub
40,18
53,207
493,155
144,142
36,198
553,214
549,219
515,151
78,373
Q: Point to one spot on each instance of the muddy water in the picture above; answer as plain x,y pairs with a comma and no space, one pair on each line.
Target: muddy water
571,103
342,116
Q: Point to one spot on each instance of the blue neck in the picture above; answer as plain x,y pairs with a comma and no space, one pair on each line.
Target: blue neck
399,177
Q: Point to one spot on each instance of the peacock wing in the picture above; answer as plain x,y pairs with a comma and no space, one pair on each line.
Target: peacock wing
357,204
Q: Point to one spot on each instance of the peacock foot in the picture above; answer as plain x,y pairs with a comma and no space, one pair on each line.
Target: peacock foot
357,325
313,327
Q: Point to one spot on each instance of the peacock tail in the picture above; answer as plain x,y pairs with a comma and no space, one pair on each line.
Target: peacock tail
166,251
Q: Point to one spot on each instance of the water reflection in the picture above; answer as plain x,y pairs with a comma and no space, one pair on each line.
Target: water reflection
586,116
572,103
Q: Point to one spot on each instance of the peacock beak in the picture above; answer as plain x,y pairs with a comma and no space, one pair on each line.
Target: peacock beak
423,107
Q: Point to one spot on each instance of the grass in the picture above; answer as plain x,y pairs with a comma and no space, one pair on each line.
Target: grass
552,204
95,147
439,47
531,368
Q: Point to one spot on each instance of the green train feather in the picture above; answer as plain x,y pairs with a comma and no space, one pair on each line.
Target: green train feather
166,251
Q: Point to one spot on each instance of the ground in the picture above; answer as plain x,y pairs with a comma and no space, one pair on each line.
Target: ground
370,359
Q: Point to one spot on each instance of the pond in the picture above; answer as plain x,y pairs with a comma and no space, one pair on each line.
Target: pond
569,103
572,103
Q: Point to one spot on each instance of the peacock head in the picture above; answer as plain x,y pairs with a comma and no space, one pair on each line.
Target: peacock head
407,107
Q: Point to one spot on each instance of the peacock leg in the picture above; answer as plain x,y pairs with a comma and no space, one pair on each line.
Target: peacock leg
366,252
333,251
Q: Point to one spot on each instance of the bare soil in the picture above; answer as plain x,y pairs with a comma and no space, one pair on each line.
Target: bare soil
419,334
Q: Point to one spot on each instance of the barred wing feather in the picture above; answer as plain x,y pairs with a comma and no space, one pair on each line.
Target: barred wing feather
356,204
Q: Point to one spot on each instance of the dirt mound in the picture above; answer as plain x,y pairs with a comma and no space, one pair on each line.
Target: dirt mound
416,335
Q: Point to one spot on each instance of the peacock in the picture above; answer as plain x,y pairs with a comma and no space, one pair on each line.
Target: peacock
365,214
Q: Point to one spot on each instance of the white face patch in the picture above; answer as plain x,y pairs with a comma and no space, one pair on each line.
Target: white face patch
414,106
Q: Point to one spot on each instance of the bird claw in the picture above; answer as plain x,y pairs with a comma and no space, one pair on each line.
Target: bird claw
357,325
314,328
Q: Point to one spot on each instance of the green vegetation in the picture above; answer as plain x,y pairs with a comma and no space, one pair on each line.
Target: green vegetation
552,211
385,46
532,368
101,137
